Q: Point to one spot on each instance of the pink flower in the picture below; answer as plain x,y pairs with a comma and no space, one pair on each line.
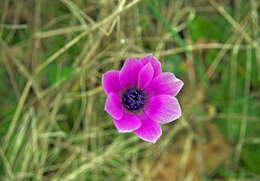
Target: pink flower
140,97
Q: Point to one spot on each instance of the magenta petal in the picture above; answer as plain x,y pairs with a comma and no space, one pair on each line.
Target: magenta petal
129,72
163,108
149,131
127,123
110,82
113,106
145,76
165,83
155,63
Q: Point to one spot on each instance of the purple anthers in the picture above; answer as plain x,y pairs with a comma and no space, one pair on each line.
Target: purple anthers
133,99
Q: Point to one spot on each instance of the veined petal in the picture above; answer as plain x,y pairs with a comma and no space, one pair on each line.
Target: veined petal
155,63
164,83
149,130
110,82
113,106
145,76
128,123
163,108
129,72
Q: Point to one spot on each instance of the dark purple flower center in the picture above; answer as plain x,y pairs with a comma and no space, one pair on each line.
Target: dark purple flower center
133,99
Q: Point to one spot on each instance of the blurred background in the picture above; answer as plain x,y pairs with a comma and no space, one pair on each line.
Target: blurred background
52,120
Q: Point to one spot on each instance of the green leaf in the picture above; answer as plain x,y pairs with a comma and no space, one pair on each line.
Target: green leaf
211,29
56,74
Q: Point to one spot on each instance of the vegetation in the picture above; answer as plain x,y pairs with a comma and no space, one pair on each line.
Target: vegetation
52,120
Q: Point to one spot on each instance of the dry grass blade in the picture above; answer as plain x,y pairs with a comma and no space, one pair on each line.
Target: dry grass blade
244,122
20,66
224,50
53,123
83,34
234,23
17,113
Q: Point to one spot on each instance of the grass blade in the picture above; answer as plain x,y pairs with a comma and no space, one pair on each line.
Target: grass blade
174,34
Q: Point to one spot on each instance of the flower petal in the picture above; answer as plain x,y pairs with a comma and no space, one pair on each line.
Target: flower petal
113,106
165,83
163,108
129,72
155,63
145,76
149,131
110,82
127,123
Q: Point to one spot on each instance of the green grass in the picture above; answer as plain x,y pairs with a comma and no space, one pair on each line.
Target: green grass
53,53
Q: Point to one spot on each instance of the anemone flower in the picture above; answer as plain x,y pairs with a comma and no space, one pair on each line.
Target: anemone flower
140,97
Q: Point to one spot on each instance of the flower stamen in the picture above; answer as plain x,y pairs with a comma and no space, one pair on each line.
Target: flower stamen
133,99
